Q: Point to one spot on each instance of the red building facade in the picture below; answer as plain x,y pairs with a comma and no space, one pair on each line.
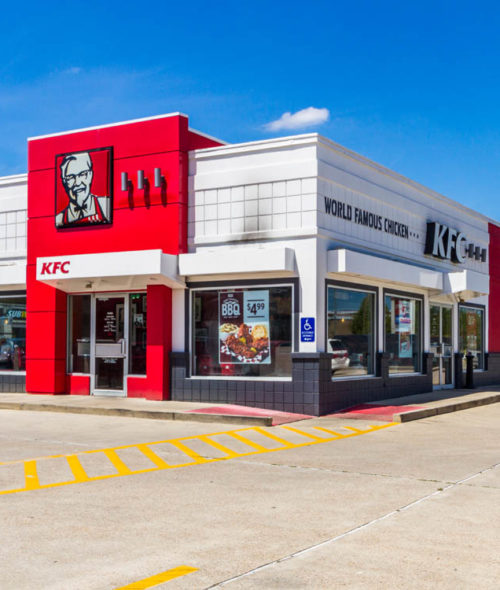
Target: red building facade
144,218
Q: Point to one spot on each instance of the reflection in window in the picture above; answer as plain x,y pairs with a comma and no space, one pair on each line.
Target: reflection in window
12,333
79,334
138,333
242,332
471,335
403,334
350,332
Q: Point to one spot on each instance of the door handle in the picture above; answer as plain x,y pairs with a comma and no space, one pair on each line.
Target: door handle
123,343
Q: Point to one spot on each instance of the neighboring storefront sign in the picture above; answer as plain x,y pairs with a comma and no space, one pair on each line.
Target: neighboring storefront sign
307,330
84,188
244,327
447,243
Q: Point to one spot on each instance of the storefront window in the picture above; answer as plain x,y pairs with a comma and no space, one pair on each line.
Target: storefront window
79,334
242,332
471,326
138,333
403,334
12,333
350,331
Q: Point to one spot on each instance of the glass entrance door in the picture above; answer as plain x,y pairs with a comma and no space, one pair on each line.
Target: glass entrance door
442,346
109,345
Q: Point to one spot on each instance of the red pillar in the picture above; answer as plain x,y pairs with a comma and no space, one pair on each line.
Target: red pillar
45,337
156,385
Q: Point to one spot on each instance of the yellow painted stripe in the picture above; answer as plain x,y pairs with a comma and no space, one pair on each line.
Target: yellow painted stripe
189,452
282,441
76,468
117,462
176,572
312,436
248,442
31,475
337,434
152,456
352,429
30,466
216,445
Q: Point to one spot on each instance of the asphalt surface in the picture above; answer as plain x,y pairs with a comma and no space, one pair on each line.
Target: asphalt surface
413,505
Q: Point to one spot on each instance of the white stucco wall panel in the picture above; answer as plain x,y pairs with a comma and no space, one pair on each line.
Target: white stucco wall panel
13,216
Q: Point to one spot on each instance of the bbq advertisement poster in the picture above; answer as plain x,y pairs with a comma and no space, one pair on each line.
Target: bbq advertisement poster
244,327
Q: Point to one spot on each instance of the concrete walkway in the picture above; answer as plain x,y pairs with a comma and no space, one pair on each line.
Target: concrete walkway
417,407
401,409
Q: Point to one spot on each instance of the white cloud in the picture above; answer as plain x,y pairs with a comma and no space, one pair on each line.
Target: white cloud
304,118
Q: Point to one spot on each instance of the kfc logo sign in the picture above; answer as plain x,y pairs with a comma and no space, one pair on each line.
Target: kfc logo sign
84,188
450,244
51,268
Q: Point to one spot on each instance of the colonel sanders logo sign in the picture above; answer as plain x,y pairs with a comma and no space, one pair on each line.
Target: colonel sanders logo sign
84,188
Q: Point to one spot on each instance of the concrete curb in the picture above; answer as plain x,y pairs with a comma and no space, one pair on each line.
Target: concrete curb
446,409
147,414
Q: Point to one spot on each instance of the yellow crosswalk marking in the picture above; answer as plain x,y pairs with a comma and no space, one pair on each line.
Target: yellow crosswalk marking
277,439
353,429
248,442
152,456
229,452
117,462
296,430
189,452
31,475
328,431
176,572
76,468
241,435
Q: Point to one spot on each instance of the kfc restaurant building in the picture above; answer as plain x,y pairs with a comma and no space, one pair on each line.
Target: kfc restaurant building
288,273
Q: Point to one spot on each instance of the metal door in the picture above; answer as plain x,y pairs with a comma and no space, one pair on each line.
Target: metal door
109,359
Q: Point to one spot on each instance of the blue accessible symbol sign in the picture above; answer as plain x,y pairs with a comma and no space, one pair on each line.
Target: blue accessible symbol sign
307,331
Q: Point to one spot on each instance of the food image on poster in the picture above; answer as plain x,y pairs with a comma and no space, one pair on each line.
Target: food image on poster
244,327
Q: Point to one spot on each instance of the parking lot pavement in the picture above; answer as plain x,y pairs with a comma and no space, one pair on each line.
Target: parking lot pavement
84,466
411,505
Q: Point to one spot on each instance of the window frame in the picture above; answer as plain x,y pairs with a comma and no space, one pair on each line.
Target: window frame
192,287
15,295
329,283
407,295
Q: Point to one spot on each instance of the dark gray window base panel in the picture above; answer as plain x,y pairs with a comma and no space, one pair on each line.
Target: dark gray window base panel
490,376
311,390
12,384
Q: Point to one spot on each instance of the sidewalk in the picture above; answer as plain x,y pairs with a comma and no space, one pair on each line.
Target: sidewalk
417,407
401,409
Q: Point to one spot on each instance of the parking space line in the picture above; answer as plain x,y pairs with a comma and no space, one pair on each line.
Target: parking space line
81,476
166,576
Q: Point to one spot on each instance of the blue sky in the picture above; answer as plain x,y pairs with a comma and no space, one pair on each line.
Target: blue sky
413,86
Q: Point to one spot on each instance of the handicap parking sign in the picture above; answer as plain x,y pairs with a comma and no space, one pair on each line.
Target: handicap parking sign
307,331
